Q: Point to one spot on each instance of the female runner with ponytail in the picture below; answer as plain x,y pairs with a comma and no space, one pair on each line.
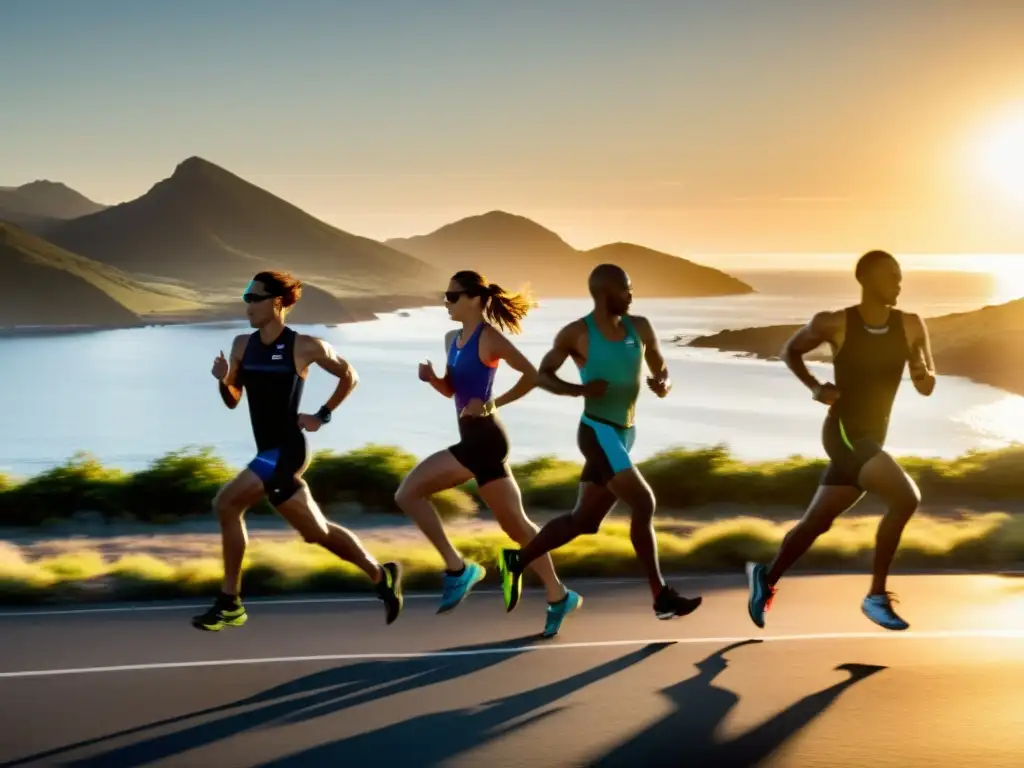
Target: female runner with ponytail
473,355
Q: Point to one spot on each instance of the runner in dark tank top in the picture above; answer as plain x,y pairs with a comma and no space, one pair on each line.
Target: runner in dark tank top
270,367
872,343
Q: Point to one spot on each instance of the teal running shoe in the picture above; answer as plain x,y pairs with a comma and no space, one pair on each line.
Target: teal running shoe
558,611
457,588
761,593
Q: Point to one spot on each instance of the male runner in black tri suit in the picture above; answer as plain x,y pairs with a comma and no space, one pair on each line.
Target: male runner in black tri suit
271,366
871,345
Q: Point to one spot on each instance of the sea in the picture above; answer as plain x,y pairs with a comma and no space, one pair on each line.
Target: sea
127,397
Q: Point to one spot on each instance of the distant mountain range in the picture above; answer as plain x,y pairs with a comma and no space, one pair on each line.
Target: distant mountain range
983,345
183,251
512,251
38,201
207,228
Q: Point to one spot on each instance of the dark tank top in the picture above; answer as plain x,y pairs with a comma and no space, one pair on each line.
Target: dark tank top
273,389
868,372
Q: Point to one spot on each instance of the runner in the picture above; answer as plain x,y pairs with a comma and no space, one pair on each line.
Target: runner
609,347
271,366
871,343
482,451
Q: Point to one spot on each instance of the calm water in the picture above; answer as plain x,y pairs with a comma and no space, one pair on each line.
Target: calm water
130,396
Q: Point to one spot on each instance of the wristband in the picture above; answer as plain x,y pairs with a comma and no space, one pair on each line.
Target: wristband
324,414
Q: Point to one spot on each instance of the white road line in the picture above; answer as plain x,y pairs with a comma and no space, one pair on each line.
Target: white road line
271,601
1002,634
196,606
305,600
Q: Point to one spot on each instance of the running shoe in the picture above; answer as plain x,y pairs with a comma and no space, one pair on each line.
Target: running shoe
878,608
558,611
458,587
226,611
511,577
389,590
670,604
761,593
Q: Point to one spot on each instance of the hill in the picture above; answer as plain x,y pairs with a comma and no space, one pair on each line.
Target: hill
47,286
32,204
985,345
661,275
208,229
513,250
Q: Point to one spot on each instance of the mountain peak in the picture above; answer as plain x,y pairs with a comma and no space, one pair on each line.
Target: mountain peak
505,226
195,165
204,226
45,199
44,185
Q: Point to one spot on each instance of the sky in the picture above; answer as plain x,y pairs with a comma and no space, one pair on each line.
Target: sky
728,127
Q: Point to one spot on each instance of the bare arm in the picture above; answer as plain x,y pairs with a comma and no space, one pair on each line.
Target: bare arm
547,371
442,384
824,327
659,381
230,388
498,347
322,353
922,366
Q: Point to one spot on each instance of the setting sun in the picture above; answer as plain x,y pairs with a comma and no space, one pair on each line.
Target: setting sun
1002,154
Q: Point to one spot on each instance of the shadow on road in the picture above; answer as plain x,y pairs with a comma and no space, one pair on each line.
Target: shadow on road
319,694
431,739
687,735
684,737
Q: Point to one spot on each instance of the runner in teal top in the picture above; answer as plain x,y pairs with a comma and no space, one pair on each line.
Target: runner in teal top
609,348
607,423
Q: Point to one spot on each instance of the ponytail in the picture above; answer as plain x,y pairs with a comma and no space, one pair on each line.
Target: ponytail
507,310
503,309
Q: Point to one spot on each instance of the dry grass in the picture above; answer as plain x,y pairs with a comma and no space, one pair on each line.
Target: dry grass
275,566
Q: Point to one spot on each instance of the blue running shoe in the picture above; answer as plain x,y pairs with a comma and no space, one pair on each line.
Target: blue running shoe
878,608
457,588
558,611
761,593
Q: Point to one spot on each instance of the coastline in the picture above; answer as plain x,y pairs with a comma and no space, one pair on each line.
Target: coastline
983,363
359,309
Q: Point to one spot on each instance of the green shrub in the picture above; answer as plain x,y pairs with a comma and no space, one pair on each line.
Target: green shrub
183,483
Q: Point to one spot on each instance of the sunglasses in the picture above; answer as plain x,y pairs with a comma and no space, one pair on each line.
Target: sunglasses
255,298
452,297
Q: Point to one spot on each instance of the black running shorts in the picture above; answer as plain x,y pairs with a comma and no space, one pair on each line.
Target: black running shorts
483,448
847,456
280,468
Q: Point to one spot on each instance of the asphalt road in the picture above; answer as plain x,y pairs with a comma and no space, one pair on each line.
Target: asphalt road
327,683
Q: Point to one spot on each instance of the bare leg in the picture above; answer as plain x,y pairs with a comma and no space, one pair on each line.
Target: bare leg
304,515
631,487
884,477
593,504
829,502
231,504
435,473
505,500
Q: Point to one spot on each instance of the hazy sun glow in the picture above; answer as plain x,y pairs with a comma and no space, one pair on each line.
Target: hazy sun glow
1001,154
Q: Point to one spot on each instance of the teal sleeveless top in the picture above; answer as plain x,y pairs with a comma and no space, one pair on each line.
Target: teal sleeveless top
620,363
